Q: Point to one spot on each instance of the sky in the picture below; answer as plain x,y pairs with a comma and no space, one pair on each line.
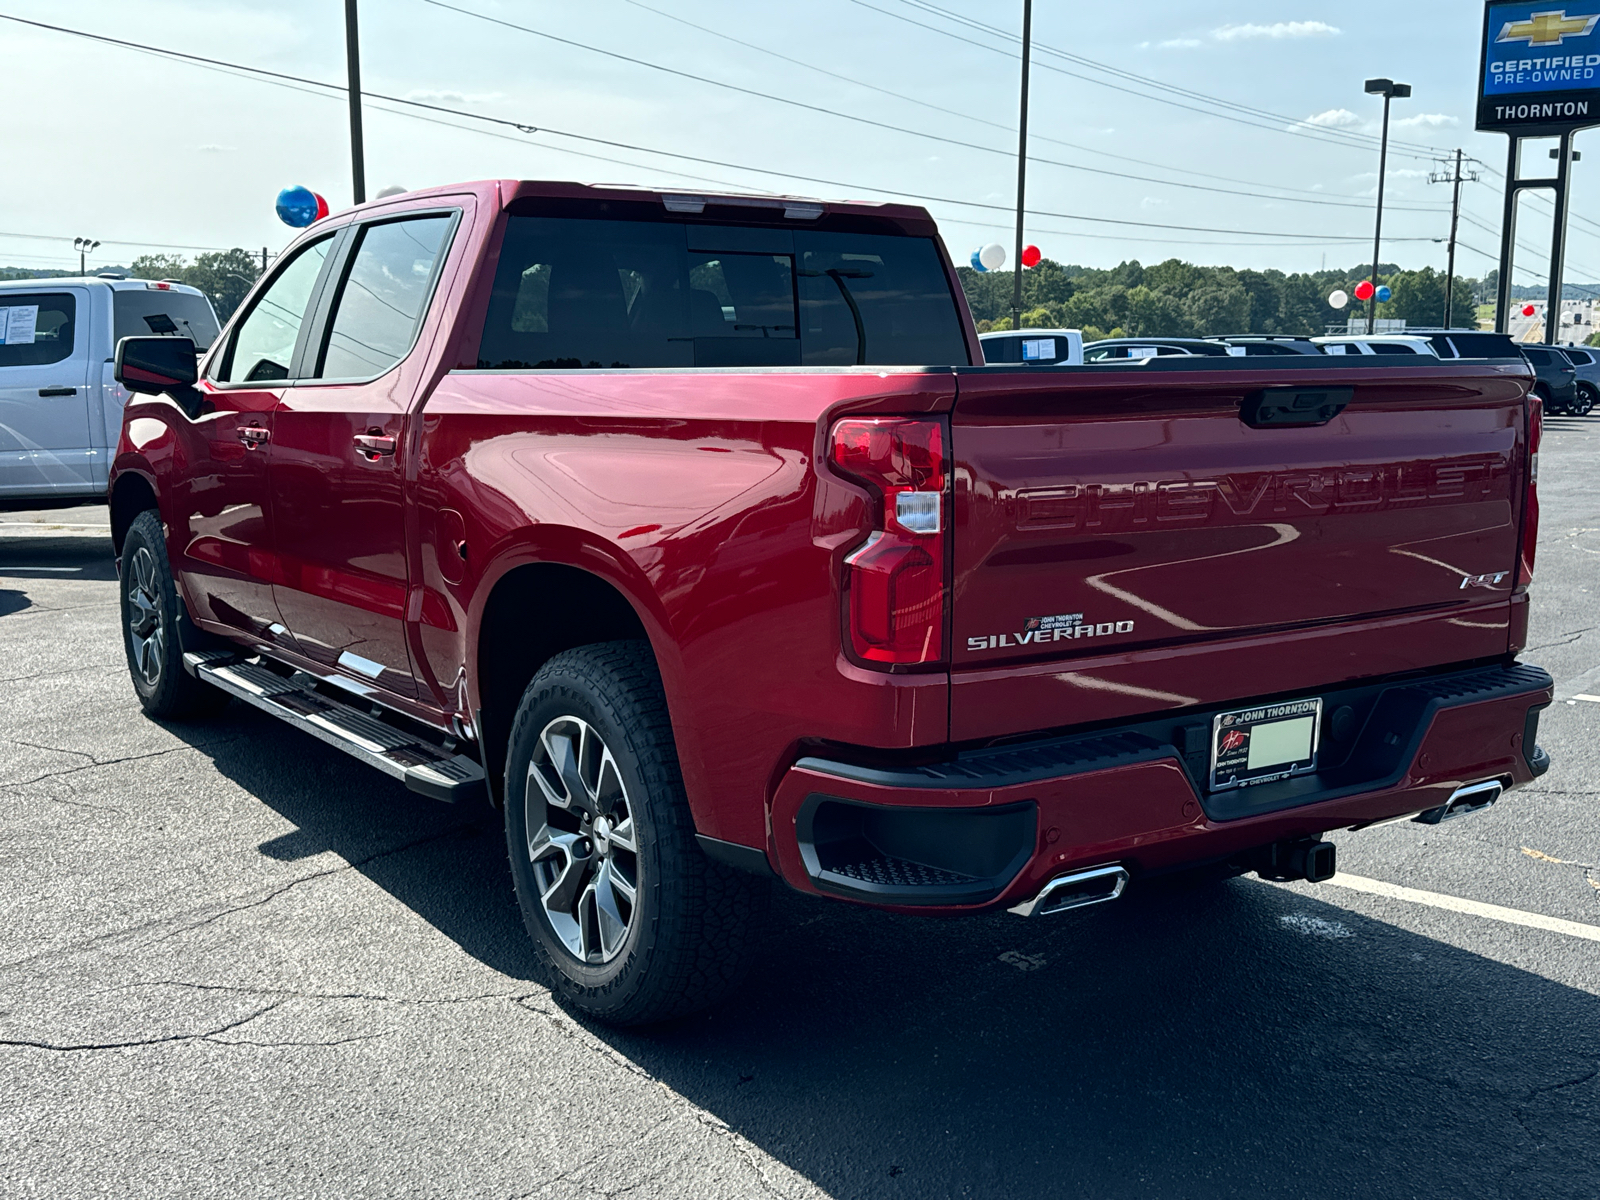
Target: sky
857,99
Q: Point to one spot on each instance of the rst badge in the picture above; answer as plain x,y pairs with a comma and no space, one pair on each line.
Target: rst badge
1063,627
1491,580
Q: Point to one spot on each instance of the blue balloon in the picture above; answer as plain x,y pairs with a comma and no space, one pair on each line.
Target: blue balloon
297,206
977,263
1384,294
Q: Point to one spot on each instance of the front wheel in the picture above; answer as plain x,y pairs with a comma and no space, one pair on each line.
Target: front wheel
153,627
631,921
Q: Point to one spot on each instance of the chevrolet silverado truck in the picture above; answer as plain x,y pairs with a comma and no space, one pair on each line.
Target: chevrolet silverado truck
691,532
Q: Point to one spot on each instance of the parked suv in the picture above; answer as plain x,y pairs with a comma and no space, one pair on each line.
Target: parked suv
1587,364
693,533
1378,343
1556,378
1122,349
1469,343
1253,344
60,408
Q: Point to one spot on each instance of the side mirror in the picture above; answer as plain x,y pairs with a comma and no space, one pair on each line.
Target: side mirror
154,365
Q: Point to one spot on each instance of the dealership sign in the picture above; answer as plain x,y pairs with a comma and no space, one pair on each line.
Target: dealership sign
1541,67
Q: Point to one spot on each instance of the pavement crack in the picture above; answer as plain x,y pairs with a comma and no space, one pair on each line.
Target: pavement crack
95,763
295,994
80,1047
1566,639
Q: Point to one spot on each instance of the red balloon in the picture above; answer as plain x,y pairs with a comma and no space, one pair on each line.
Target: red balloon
322,205
1365,290
1529,310
1031,256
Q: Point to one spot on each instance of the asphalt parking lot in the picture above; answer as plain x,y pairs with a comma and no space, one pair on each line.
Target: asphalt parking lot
236,963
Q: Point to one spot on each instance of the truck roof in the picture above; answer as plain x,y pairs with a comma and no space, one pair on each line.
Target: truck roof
736,207
115,283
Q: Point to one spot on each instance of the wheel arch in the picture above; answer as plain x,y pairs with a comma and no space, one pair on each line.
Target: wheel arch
132,492
534,610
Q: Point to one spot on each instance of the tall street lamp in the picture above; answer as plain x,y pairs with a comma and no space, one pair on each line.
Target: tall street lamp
1389,90
83,246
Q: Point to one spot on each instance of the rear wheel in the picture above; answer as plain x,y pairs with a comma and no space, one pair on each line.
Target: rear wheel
155,628
633,923
1588,397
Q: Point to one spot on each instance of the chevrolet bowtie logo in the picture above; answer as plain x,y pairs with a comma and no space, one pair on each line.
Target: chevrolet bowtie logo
1547,28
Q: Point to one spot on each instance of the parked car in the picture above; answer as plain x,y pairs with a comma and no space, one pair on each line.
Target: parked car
1556,378
1251,344
1034,347
1587,364
1469,343
1378,343
547,493
1122,349
60,409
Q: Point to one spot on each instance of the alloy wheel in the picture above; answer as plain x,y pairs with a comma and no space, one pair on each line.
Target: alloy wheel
582,840
147,626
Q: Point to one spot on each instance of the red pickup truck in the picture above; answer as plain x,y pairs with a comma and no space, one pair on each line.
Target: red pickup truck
692,532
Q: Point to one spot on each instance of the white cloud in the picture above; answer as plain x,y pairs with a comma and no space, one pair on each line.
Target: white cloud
1151,202
1334,118
435,96
1179,43
1427,120
1278,29
212,148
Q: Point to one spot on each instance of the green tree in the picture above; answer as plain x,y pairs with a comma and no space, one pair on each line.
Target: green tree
225,276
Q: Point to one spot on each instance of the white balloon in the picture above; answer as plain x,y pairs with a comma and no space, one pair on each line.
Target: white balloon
1338,299
993,256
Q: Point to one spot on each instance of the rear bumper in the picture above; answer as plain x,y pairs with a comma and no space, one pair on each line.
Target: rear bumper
988,828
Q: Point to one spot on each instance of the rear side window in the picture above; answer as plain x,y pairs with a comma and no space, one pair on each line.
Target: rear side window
577,293
36,328
1539,358
1392,348
383,296
1480,345
150,312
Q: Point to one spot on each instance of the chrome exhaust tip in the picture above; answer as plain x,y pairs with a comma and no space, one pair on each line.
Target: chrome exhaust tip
1464,801
1077,889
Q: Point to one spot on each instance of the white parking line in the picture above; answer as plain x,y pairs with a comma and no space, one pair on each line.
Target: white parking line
1492,912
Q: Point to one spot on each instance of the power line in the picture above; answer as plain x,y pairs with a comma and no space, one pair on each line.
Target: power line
282,79
1296,126
885,125
1321,197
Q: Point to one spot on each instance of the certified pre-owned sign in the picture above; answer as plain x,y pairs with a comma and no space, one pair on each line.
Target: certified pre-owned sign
1541,67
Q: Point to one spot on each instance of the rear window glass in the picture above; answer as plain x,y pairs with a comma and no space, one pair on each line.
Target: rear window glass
148,312
1481,345
36,328
577,293
1391,348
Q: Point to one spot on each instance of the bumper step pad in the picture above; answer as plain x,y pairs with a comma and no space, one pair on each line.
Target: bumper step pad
423,766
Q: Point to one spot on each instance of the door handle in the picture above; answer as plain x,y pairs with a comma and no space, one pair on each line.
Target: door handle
58,391
375,445
254,435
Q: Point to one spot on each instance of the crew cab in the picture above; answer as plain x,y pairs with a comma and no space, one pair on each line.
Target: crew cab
692,532
60,409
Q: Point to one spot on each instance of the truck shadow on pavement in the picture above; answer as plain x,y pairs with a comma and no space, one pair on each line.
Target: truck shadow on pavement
1228,1040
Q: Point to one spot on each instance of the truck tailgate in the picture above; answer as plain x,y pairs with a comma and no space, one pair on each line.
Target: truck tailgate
1119,518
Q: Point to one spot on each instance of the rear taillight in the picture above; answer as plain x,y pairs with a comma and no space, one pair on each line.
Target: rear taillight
896,578
1530,503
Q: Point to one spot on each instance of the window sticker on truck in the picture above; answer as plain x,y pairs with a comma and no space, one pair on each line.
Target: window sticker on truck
1063,627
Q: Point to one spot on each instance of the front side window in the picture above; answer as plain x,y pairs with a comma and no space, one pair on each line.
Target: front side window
579,293
262,349
36,328
383,296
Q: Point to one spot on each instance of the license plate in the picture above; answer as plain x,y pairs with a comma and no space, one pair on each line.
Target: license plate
1259,745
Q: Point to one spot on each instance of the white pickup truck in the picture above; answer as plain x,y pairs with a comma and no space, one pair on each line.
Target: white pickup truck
60,409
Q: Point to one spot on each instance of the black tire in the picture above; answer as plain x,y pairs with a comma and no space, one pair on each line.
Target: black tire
693,925
1588,396
156,628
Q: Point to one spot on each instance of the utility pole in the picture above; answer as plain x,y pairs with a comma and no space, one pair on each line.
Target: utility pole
1022,164
352,46
1456,178
1389,90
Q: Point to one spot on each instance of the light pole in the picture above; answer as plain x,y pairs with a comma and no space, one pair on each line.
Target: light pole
1389,90
83,246
1022,165
352,48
